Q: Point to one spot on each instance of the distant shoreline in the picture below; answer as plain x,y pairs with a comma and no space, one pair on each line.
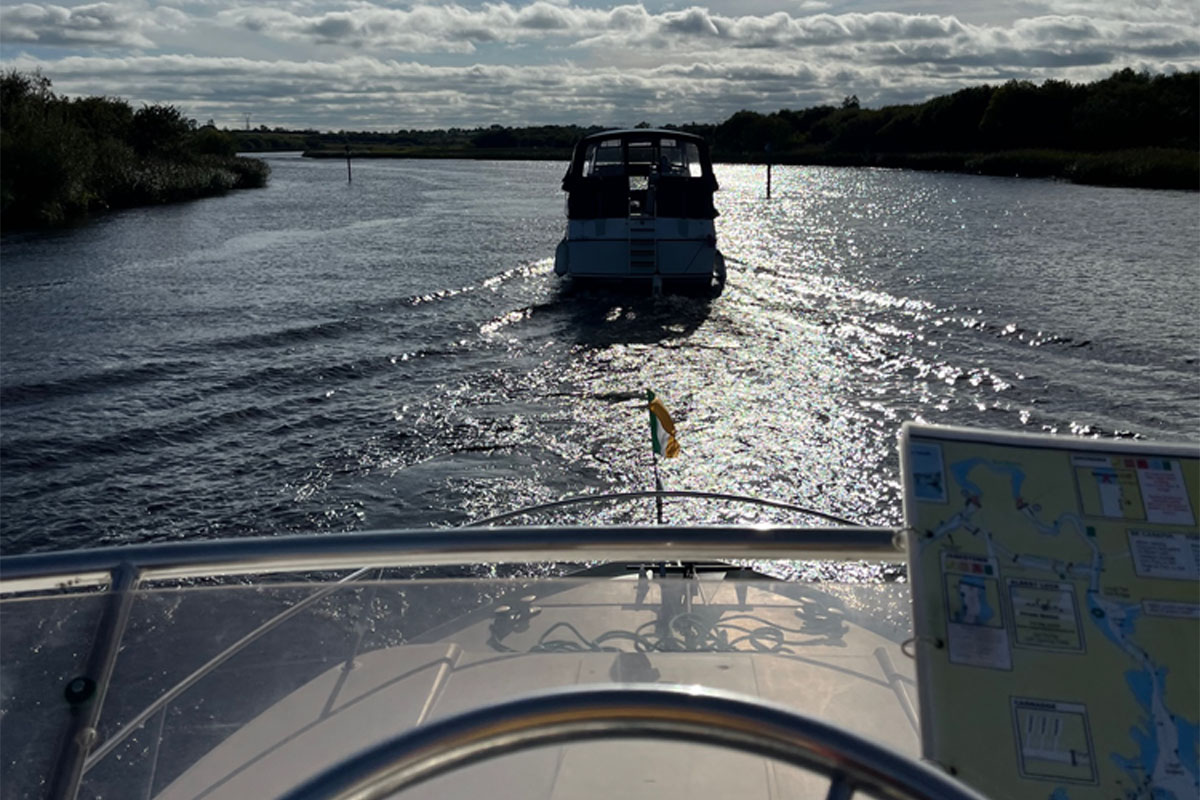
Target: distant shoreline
1132,129
1144,168
448,153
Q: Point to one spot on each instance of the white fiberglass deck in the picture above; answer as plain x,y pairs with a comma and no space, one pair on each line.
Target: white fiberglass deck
214,694
801,651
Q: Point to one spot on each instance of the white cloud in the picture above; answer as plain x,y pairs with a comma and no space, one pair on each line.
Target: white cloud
98,24
353,63
1178,12
454,28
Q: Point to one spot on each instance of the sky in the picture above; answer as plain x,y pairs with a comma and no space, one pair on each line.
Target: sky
379,65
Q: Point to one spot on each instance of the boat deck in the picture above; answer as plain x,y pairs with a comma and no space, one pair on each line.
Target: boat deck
804,651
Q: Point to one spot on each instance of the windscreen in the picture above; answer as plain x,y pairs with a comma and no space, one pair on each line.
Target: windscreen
667,156
604,159
239,690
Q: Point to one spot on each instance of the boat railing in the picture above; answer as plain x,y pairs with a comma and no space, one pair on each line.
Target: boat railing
587,499
444,546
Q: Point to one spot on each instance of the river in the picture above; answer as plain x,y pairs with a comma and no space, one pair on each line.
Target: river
392,352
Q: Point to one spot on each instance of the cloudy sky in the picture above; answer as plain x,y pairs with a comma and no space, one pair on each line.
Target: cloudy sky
376,64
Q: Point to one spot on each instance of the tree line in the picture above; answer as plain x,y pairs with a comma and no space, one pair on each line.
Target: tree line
540,141
1125,111
63,157
1132,128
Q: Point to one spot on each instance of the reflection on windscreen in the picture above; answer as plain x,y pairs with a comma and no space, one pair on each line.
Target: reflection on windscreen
214,683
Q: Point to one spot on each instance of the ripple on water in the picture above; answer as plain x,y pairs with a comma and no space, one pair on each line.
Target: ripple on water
404,356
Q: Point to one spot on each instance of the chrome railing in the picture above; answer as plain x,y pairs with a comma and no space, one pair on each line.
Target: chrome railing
607,497
446,546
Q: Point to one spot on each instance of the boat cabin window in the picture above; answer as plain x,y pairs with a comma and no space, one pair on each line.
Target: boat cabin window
642,157
604,158
691,161
671,160
680,159
643,174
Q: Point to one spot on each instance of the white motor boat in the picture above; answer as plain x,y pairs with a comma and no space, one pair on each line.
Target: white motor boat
640,207
446,663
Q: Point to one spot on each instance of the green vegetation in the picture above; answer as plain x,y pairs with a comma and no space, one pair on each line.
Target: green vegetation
1131,129
546,142
62,158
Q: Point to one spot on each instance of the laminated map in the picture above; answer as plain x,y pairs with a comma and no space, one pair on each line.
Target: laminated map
1056,607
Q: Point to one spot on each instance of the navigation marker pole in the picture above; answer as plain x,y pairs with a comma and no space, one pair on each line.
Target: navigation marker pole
767,150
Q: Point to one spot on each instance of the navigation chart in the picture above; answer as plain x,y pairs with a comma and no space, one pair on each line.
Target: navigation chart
1056,602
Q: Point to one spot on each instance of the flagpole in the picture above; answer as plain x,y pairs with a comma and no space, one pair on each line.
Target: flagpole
670,448
658,488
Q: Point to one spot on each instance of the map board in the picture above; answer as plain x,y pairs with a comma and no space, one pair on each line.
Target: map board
1056,605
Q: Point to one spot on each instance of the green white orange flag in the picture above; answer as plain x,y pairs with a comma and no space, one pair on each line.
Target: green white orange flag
662,429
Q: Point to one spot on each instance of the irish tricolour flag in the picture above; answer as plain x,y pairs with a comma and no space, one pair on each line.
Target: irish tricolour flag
662,429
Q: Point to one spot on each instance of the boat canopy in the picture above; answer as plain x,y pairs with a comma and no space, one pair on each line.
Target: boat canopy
611,168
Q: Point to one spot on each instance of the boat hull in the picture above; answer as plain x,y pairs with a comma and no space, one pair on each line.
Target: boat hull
620,249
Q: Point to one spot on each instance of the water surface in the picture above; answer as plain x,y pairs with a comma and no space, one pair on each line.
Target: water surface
318,356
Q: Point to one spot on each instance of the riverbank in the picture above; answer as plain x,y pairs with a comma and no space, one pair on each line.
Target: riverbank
1143,168
1146,168
62,159
136,184
468,153
1132,129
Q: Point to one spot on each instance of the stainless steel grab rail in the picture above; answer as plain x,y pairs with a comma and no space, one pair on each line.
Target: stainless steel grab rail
445,546
687,494
577,714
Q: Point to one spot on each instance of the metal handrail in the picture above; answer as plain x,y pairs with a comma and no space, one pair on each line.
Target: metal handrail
102,660
194,677
692,714
642,495
290,554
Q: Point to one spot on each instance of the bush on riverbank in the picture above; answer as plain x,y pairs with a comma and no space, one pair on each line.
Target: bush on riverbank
61,158
1145,168
497,154
1151,168
1130,129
